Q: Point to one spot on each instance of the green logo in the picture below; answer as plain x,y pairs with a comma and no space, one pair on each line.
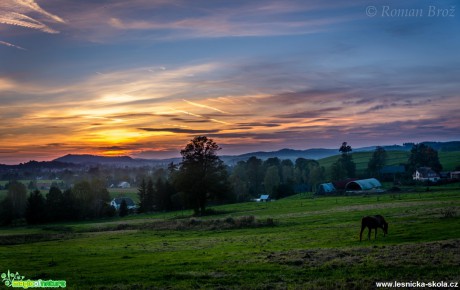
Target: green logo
17,281
9,278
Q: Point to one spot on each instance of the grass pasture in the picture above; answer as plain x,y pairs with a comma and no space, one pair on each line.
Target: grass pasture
124,192
313,244
449,160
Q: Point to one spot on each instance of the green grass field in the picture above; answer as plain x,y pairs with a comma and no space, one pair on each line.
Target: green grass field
449,160
124,192
313,244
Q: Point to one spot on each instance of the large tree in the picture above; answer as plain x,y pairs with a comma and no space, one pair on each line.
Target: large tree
202,175
36,208
142,193
344,167
271,180
377,161
17,196
422,155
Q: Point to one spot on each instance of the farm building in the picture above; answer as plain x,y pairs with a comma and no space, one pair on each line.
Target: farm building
124,184
263,198
425,174
326,188
455,175
116,203
341,184
363,184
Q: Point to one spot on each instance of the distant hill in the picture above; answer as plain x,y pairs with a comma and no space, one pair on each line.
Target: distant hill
89,159
36,164
316,153
292,154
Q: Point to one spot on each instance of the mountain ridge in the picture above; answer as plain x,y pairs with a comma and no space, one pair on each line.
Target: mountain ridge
285,153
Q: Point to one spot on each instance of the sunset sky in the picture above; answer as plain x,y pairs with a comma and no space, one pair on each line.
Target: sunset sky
142,77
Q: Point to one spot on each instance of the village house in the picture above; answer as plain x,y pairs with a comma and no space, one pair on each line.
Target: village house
116,203
455,175
425,174
124,184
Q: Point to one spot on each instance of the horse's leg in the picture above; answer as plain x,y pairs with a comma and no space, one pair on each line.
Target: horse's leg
361,233
375,238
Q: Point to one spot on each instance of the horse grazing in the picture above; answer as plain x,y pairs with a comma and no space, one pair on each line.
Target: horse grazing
373,222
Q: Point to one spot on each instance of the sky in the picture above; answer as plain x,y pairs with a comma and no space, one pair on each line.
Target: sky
143,77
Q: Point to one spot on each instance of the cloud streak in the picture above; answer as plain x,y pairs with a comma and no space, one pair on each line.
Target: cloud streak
11,45
14,12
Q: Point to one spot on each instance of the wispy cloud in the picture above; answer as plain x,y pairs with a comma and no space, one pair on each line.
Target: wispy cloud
11,45
180,130
205,106
122,21
14,12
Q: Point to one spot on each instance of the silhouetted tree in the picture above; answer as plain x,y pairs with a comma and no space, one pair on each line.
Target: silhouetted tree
338,171
345,148
255,174
6,211
35,209
344,167
287,171
70,206
164,191
55,204
422,155
202,175
149,196
240,181
317,176
123,208
93,198
17,196
142,193
272,180
377,161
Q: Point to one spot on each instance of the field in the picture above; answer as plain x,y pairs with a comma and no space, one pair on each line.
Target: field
449,160
299,243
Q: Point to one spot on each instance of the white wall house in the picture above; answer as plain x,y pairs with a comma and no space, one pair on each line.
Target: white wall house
116,203
426,174
124,184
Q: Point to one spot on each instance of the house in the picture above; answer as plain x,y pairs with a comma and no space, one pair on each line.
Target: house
425,174
263,198
116,203
326,188
124,184
363,184
455,175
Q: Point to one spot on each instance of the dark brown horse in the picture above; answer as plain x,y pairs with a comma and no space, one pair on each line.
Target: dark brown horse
373,222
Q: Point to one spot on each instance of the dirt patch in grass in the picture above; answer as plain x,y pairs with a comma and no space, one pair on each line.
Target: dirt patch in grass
444,253
192,224
33,238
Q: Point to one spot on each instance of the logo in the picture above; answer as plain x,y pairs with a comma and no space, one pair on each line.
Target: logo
17,281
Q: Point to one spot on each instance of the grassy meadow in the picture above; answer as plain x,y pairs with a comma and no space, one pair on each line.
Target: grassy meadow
449,160
299,242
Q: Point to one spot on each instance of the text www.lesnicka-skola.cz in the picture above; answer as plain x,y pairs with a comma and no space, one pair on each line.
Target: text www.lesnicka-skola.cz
417,284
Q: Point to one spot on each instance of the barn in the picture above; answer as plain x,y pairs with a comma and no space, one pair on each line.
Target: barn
363,184
326,188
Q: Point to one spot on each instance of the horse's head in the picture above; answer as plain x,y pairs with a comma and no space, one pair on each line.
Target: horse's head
385,227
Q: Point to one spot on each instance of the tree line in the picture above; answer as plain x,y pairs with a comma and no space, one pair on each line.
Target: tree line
85,200
201,178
